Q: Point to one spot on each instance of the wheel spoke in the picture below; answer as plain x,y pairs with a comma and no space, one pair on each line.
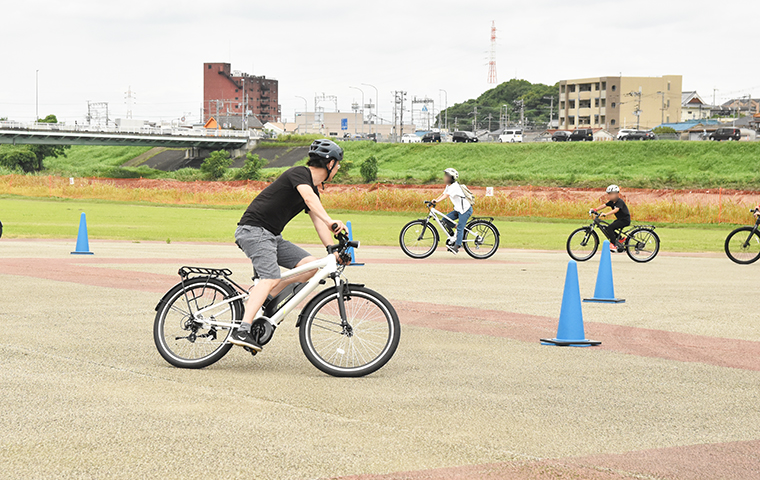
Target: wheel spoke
367,339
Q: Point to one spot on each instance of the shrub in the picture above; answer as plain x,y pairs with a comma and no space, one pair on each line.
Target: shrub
18,158
343,173
368,169
661,130
251,169
216,165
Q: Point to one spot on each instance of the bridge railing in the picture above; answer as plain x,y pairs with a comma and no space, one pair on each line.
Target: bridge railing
145,130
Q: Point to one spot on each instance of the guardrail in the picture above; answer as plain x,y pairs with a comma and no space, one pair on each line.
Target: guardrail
146,130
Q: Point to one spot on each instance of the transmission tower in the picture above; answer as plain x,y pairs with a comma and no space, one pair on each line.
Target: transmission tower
129,100
424,111
97,113
319,111
492,56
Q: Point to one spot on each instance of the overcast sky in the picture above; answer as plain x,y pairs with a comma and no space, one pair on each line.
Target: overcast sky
95,50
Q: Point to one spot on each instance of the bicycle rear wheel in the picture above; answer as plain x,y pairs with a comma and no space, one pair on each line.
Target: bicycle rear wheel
418,239
363,345
582,244
180,338
743,245
481,239
642,245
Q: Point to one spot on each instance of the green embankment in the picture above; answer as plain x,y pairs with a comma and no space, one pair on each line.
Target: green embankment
43,218
660,164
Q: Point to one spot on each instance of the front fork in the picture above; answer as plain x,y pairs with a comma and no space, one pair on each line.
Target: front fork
340,287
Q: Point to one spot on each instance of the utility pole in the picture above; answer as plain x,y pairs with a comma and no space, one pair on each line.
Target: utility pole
714,90
446,99
357,88
489,123
551,109
398,104
403,96
475,119
662,108
306,114
638,107
377,105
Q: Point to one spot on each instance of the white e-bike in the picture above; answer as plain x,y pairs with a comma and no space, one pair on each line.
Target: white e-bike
345,330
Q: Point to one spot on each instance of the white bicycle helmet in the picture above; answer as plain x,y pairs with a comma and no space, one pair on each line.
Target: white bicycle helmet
454,174
613,189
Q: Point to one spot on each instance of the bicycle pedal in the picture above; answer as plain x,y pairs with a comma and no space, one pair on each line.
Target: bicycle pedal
250,350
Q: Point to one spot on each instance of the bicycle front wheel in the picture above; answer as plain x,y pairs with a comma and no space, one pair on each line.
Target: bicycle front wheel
418,239
481,239
642,245
361,345
582,244
743,245
180,337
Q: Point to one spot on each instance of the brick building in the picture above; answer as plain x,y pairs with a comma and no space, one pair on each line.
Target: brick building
231,93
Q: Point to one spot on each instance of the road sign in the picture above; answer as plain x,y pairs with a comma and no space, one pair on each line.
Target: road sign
344,124
424,108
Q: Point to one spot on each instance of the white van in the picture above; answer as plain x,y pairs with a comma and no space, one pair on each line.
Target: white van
511,136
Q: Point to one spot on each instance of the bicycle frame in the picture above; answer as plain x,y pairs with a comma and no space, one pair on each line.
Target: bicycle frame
326,268
437,215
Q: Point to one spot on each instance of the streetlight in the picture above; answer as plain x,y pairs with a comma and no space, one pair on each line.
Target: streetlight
377,104
357,88
306,108
446,96
36,96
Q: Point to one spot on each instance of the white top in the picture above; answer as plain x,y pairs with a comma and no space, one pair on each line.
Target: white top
454,191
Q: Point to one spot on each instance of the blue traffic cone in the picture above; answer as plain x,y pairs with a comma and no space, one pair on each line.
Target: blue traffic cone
605,290
351,250
83,245
570,328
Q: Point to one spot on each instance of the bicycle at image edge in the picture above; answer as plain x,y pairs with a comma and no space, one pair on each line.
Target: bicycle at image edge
419,238
346,330
743,244
640,242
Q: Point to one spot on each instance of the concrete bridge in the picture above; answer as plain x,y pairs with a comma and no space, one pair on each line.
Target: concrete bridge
171,137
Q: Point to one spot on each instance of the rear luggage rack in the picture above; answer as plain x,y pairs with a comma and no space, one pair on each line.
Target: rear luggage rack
186,271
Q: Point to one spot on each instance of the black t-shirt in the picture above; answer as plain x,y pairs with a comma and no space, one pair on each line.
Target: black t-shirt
277,204
623,213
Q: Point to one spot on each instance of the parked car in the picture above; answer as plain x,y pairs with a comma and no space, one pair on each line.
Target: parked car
560,136
511,136
431,137
582,135
624,132
463,137
410,138
729,134
640,135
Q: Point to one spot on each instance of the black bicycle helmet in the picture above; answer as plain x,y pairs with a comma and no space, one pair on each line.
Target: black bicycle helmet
325,150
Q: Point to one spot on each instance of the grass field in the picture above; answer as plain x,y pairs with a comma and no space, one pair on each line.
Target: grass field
43,218
661,164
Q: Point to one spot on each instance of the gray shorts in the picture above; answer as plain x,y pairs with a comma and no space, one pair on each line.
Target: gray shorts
267,251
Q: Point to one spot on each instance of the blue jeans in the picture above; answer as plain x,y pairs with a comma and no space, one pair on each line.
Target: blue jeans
462,217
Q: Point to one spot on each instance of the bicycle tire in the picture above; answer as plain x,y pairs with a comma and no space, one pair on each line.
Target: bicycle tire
218,290
421,238
633,249
332,351
494,245
574,252
736,256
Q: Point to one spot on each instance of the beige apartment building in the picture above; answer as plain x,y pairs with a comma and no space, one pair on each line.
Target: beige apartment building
612,103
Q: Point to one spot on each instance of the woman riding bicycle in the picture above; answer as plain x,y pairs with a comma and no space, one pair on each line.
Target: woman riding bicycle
462,207
622,217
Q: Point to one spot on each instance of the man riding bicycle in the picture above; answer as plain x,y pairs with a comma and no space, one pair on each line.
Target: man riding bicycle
462,207
259,231
622,217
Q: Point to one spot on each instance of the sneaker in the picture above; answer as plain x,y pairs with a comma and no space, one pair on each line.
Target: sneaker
613,248
453,249
245,339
